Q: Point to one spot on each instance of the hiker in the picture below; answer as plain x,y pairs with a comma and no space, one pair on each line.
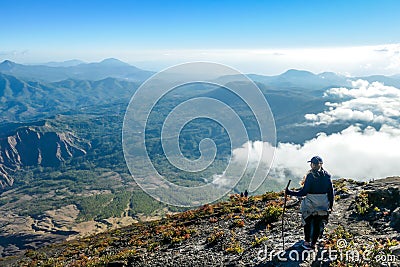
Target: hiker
318,201
246,193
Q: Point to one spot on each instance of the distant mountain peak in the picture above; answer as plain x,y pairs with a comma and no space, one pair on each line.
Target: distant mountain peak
294,72
113,62
7,64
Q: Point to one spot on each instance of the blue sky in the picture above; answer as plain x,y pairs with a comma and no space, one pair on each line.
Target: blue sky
169,32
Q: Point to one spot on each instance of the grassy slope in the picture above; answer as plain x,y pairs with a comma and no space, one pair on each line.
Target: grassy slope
231,231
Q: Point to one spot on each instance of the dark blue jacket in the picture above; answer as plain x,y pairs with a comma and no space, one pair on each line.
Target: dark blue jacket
317,182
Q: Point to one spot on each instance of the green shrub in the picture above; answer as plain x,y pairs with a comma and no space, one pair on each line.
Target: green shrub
271,213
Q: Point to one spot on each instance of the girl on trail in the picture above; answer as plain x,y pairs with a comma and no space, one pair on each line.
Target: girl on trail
318,202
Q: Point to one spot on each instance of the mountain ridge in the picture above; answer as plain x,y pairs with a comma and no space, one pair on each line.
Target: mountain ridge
32,100
91,71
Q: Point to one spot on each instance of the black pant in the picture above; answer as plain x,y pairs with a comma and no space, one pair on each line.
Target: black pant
314,228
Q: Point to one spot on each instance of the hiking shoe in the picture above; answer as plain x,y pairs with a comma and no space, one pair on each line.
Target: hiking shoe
307,246
322,242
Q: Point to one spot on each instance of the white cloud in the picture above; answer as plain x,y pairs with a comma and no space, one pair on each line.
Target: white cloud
362,88
353,153
368,102
393,53
220,180
349,61
251,151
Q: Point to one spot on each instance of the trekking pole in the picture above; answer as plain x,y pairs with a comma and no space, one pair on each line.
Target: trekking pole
283,214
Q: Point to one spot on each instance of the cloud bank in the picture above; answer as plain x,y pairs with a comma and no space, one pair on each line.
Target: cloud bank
350,61
368,149
365,102
352,153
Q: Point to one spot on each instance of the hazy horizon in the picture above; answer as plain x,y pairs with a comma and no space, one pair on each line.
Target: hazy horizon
267,38
150,66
